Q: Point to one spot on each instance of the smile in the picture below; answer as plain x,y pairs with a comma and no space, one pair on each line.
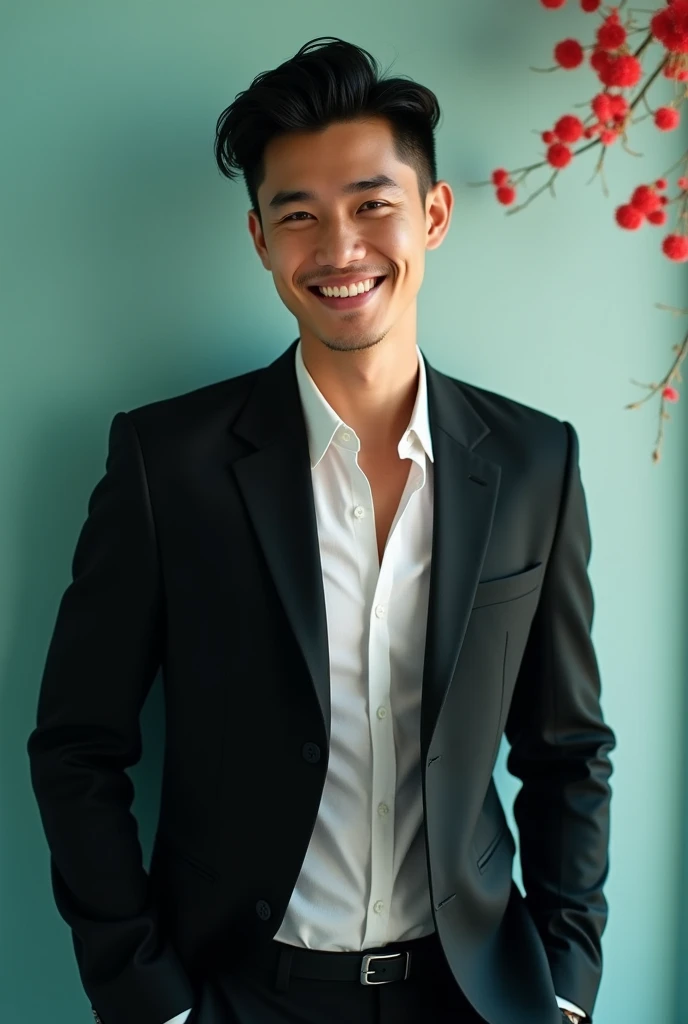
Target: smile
349,302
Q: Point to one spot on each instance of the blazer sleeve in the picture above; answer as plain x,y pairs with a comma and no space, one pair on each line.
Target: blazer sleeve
560,748
101,662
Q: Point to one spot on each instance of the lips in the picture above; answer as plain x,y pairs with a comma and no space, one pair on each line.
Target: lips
348,303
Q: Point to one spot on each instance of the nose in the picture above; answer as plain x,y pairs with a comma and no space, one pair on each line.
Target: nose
339,244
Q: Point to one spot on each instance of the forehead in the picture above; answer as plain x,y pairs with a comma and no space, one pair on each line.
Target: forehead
327,161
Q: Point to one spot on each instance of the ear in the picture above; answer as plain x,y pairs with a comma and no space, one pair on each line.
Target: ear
440,203
258,237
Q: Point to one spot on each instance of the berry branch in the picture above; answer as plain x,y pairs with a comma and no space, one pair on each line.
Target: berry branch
611,116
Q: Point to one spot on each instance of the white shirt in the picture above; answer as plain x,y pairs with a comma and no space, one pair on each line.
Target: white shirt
364,879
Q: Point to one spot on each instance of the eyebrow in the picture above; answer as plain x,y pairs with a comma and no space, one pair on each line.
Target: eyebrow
379,181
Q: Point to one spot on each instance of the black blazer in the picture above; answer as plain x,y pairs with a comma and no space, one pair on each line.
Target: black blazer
200,555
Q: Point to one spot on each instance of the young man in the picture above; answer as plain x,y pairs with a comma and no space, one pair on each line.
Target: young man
356,573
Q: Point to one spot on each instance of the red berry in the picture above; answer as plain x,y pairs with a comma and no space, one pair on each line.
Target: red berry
629,217
569,54
670,394
589,6
552,4
682,183
623,71
569,128
658,217
500,177
619,104
667,118
548,138
599,60
675,247
559,155
670,26
608,137
506,194
602,106
645,199
611,35
661,183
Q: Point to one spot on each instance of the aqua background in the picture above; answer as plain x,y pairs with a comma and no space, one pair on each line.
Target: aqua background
128,275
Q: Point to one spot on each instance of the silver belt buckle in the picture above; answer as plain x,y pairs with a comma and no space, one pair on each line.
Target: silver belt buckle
365,967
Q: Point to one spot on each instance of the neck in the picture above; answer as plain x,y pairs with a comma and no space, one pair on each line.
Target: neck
373,390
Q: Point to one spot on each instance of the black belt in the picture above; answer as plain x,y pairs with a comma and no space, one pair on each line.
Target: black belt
379,966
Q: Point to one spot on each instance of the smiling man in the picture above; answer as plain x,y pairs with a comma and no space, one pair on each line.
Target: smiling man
357,574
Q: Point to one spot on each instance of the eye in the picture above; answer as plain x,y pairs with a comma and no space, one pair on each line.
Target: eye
371,202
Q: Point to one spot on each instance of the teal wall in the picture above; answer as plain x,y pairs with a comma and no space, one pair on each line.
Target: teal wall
128,275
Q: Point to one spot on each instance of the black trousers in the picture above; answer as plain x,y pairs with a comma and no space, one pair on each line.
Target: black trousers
252,994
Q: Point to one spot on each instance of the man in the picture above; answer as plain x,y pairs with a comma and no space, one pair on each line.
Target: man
357,574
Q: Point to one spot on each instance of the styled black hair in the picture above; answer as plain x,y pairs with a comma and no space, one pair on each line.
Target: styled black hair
327,81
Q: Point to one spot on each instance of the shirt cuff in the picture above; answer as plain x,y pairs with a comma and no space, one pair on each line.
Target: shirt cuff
564,1004
180,1018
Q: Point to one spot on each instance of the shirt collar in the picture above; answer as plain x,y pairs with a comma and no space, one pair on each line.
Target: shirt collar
322,422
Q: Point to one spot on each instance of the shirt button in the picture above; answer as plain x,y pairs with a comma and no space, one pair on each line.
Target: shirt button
378,907
380,611
382,810
345,435
359,512
381,712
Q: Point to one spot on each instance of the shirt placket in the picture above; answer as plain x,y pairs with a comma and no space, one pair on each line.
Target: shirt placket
377,581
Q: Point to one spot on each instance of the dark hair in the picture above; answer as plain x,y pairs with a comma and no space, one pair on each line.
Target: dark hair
327,81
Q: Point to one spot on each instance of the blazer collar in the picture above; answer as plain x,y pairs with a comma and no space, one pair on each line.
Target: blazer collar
276,405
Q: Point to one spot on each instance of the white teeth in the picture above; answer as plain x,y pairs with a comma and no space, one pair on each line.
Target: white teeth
344,292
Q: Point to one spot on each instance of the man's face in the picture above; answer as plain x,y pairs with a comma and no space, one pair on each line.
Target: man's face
380,232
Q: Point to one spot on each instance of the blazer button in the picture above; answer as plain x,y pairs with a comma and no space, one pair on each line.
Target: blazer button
263,910
311,752
96,1017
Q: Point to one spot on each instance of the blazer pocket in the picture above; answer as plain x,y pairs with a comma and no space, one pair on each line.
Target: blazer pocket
509,588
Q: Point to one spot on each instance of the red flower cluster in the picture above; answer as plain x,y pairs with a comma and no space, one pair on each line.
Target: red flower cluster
505,192
568,129
670,26
647,204
611,111
622,70
618,67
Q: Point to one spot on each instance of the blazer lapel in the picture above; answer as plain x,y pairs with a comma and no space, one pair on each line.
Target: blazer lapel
276,484
465,497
